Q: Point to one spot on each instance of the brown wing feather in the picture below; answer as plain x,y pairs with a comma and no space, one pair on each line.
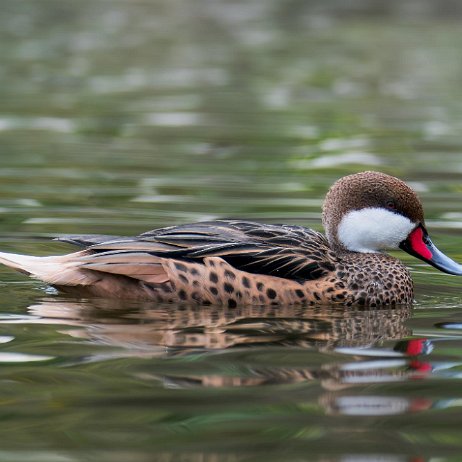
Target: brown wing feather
292,252
137,265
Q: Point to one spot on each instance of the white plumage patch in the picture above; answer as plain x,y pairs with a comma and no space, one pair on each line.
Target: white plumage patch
373,229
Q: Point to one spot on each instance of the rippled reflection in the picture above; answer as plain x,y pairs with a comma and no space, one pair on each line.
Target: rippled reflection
182,328
169,331
253,347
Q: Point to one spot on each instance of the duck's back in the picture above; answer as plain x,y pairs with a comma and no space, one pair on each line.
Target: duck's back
223,262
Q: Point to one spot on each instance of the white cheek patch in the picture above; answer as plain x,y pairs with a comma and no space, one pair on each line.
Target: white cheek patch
373,229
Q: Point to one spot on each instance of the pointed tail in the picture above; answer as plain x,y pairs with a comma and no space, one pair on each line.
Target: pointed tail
22,263
56,270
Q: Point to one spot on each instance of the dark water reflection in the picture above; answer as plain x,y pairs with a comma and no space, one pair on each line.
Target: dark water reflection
121,116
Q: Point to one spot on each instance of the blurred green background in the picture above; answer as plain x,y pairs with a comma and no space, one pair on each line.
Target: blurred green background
118,115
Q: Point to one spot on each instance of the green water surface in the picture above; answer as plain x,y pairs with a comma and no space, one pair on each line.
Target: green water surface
119,116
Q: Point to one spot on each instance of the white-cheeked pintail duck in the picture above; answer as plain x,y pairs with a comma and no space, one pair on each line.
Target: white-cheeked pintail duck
231,262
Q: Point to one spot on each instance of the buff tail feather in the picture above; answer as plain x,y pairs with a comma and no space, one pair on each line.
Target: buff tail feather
56,270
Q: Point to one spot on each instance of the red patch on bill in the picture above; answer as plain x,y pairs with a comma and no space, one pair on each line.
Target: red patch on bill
418,245
416,346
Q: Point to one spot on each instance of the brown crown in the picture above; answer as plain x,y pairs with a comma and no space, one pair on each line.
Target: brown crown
368,189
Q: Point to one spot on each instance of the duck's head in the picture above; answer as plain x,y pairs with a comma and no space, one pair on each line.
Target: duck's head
372,212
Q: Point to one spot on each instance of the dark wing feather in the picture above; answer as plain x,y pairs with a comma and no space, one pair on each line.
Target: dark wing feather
86,240
292,252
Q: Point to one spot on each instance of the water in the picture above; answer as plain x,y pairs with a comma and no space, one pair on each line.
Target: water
117,117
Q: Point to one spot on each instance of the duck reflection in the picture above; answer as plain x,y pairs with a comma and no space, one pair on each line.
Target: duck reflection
178,329
358,346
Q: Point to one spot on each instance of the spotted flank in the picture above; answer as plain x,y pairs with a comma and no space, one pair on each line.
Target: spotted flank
235,263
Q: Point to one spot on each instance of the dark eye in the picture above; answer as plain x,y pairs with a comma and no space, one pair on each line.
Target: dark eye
391,205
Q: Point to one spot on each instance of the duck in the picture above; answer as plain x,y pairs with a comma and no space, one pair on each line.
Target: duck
236,262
